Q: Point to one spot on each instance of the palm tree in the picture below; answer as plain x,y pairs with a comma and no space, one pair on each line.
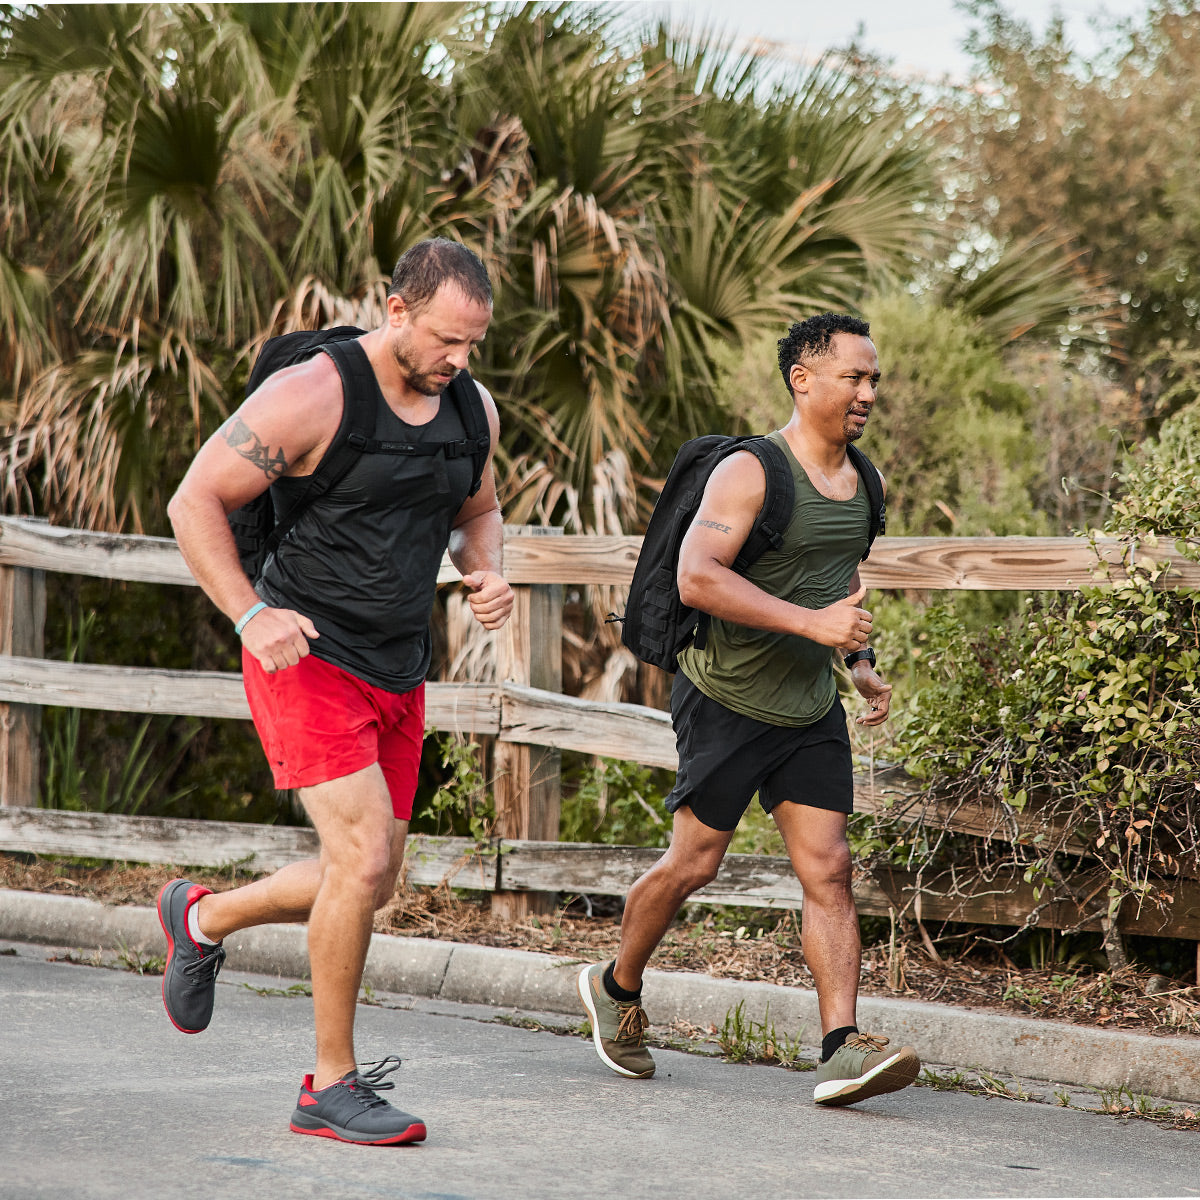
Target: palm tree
181,181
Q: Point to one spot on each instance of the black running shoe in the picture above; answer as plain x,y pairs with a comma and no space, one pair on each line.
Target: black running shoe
350,1111
190,979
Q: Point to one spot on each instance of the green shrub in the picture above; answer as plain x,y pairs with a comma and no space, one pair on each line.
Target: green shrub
614,802
463,804
1085,706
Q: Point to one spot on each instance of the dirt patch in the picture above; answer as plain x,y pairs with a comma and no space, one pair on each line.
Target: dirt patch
764,947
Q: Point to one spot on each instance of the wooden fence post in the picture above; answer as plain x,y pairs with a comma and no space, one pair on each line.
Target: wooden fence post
528,780
22,632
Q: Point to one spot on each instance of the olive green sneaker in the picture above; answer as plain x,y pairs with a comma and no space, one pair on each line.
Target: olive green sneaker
618,1026
863,1067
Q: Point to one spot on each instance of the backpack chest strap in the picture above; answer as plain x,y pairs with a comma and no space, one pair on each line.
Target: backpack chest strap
454,448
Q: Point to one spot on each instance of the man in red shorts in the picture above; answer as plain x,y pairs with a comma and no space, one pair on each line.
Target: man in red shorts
335,648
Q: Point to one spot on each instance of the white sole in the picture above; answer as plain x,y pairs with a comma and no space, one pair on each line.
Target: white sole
833,1088
585,994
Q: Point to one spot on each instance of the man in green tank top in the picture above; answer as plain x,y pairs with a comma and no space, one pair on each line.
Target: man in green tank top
757,710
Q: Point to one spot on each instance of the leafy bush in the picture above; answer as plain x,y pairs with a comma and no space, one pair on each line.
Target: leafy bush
1085,707
615,802
463,804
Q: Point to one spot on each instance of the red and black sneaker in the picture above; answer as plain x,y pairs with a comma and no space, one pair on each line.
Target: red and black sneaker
190,979
350,1111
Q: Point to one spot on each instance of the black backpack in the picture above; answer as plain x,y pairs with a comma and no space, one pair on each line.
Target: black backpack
657,624
255,528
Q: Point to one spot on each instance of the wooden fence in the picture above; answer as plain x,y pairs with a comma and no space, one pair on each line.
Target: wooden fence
532,722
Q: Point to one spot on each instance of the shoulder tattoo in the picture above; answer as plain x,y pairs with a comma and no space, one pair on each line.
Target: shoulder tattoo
716,525
248,444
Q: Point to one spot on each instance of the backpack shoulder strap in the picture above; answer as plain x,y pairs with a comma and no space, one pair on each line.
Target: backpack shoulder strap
875,498
469,403
767,531
287,349
355,432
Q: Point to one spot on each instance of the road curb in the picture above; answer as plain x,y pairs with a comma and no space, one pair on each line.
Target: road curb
1057,1052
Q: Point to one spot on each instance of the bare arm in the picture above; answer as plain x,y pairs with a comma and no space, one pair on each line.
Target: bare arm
281,429
477,541
732,499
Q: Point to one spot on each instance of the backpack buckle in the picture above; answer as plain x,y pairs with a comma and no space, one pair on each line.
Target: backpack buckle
455,449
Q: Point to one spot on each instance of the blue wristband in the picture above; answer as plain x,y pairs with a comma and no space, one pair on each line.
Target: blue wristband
248,616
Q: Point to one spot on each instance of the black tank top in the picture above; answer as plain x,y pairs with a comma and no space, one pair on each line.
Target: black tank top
362,561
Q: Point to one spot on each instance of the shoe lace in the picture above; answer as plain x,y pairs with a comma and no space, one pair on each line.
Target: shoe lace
633,1023
367,1082
866,1041
206,968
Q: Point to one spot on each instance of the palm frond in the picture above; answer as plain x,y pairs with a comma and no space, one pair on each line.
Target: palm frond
90,429
1034,286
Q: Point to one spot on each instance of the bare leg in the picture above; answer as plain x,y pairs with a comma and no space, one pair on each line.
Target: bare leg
816,843
286,896
692,861
353,817
362,847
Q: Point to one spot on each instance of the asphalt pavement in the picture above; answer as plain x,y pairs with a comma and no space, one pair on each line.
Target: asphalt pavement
1052,1051
102,1096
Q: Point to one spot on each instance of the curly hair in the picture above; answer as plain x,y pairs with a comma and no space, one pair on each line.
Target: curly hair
811,338
423,269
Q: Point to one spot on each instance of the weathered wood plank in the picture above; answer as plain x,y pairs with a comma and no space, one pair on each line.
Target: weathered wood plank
520,715
751,881
461,707
644,735
995,564
155,839
887,790
466,709
22,631
755,881
573,867
122,689
629,731
178,842
29,543
957,563
574,559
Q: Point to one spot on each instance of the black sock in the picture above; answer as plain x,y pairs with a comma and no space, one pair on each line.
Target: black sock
832,1042
614,989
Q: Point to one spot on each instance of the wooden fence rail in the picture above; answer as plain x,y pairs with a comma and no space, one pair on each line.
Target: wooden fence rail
535,721
965,564
508,865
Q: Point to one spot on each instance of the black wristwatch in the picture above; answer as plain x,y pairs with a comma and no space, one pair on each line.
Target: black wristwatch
858,656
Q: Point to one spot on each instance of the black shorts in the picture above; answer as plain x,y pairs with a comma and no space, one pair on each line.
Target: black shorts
724,758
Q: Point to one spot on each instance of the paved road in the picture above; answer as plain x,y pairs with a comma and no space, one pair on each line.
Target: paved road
100,1096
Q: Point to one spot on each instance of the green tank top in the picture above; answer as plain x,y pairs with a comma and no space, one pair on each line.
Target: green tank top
781,678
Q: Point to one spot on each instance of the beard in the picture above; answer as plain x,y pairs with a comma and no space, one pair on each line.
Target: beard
425,382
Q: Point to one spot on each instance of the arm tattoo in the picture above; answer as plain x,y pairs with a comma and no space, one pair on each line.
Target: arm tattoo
247,443
716,525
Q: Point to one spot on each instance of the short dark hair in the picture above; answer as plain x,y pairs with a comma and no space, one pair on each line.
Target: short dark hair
811,338
423,269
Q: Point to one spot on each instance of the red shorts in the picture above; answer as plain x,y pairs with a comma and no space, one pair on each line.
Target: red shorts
318,722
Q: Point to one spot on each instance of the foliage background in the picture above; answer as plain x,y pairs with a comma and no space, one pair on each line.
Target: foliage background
180,182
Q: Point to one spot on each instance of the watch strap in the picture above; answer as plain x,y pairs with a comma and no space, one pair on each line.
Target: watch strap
858,655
